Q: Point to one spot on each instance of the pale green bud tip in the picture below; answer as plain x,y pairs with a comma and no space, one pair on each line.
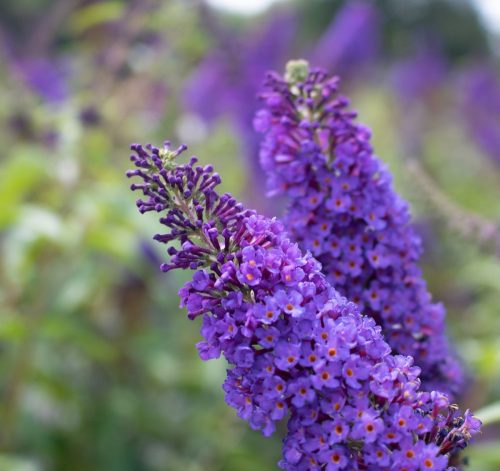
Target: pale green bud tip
296,71
166,153
167,157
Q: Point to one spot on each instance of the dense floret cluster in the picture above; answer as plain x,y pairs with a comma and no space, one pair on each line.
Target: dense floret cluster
296,348
342,208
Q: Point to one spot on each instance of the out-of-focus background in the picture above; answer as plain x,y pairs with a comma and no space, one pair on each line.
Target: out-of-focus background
98,368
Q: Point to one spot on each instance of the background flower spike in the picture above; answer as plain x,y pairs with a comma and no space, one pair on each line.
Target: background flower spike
343,208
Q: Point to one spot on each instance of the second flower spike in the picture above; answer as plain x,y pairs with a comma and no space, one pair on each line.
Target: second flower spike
342,207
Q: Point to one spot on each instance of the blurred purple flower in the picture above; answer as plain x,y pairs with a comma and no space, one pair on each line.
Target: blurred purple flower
148,252
416,77
479,107
221,83
228,78
46,77
205,92
351,40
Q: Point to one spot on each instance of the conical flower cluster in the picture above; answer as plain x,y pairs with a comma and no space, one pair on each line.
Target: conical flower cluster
342,207
297,349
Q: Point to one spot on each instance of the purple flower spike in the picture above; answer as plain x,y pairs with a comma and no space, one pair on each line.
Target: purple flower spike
297,349
342,208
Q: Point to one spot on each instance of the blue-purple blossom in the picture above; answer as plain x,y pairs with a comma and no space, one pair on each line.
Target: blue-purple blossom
342,208
319,363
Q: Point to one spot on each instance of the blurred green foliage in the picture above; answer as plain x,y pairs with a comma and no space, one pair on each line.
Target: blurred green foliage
98,366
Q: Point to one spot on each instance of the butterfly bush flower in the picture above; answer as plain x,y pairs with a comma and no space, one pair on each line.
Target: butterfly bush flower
296,348
342,208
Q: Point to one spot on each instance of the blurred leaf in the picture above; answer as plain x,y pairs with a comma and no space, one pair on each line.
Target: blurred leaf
483,356
70,331
28,238
18,176
12,326
12,463
489,414
112,241
220,149
95,14
484,457
482,272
